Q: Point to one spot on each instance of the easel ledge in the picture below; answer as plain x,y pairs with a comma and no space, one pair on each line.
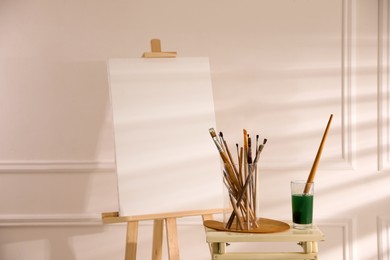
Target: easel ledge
113,217
158,228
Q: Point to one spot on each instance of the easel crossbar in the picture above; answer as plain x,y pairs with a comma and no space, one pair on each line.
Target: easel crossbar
113,217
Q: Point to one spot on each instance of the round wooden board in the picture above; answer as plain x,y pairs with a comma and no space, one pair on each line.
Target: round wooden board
265,226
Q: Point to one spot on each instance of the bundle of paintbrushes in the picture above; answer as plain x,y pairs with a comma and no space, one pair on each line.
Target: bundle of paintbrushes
241,179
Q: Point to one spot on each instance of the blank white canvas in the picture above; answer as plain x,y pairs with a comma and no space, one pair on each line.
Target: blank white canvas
162,111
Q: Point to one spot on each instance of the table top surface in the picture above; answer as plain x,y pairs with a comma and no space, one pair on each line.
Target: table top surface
290,235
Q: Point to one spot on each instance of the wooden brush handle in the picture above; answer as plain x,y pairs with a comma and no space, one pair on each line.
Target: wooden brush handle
317,159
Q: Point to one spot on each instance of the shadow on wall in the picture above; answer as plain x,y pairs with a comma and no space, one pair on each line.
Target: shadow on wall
88,242
58,160
56,166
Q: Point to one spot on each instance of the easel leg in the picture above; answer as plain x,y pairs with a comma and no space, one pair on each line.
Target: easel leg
172,239
131,240
157,239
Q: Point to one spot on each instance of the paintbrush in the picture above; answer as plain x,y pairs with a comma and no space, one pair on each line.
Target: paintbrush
241,196
249,149
226,148
224,158
237,212
259,150
245,135
313,170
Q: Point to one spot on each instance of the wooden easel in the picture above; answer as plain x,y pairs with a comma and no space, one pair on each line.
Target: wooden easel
161,219
158,227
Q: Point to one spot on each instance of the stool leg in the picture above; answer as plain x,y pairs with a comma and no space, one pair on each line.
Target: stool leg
306,246
214,249
310,247
315,247
222,248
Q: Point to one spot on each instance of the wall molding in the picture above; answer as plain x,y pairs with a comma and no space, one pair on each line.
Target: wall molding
383,227
82,219
383,85
18,220
347,106
348,227
56,167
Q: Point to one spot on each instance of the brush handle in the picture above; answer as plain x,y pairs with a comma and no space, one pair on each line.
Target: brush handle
241,195
313,170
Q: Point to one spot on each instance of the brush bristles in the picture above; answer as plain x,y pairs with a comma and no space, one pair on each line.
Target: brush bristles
212,132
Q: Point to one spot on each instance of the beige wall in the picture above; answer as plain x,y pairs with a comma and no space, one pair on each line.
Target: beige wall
279,68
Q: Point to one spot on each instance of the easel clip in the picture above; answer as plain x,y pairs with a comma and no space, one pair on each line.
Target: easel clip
156,51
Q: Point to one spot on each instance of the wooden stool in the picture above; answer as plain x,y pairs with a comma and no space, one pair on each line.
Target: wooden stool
307,239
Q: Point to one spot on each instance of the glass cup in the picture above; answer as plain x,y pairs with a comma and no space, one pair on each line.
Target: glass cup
241,193
302,197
